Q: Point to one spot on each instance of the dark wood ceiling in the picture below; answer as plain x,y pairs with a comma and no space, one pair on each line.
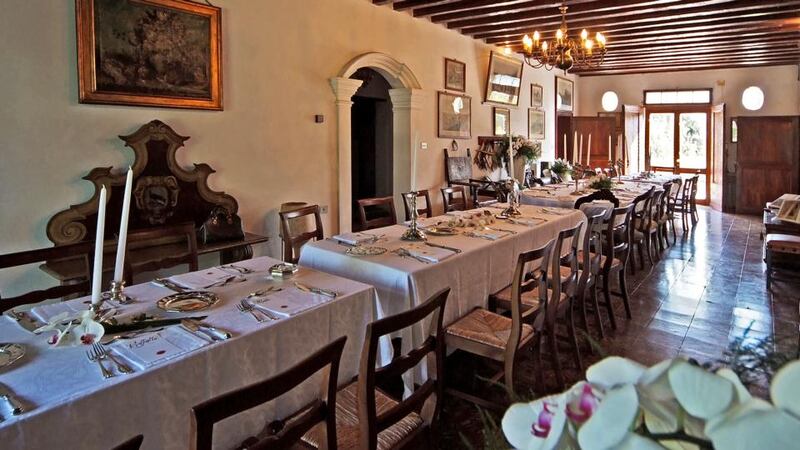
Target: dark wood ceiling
643,36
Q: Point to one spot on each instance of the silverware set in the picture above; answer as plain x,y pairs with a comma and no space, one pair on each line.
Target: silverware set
225,281
403,252
315,290
244,306
239,269
98,354
434,245
167,283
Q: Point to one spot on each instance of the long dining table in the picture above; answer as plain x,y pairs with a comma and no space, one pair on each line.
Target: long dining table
70,405
479,268
563,195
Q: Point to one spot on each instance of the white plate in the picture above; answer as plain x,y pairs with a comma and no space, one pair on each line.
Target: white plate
10,353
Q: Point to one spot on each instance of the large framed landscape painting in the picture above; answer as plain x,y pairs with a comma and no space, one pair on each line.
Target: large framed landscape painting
455,116
149,53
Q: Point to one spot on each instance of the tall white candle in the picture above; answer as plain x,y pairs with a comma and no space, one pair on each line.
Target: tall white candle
565,146
510,155
574,146
414,162
589,151
123,227
97,274
580,151
609,147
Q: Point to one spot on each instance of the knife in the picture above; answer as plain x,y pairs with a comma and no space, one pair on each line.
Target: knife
315,290
199,327
452,249
163,282
140,325
11,399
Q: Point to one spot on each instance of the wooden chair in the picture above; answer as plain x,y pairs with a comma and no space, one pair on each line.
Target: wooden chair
142,240
693,199
131,444
641,215
499,338
662,216
366,417
590,262
421,212
292,243
683,203
454,199
672,199
325,360
382,213
81,250
646,227
602,194
784,244
616,251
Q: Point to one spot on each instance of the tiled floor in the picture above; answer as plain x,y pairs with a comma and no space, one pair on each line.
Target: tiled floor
703,292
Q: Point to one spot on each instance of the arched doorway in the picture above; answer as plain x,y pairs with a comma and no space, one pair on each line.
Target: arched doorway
405,94
371,138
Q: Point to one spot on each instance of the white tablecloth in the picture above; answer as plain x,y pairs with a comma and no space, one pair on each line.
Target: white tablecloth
72,407
483,267
562,195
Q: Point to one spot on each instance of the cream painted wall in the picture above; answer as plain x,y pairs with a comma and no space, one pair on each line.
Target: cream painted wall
780,85
278,56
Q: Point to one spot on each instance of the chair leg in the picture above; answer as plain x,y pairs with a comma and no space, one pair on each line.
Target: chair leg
674,231
640,245
509,365
623,289
554,357
597,312
769,270
574,335
648,243
685,222
607,294
537,357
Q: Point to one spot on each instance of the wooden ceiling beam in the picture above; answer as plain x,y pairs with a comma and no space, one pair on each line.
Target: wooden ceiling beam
656,60
763,42
471,8
684,68
407,4
777,50
601,24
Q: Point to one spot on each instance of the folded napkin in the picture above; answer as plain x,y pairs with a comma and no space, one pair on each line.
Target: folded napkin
527,221
488,234
289,302
201,279
43,313
432,254
149,349
355,238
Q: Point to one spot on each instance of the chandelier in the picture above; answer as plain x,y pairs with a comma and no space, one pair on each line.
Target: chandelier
564,53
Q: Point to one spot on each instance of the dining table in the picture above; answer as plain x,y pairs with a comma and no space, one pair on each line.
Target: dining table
565,195
69,404
473,262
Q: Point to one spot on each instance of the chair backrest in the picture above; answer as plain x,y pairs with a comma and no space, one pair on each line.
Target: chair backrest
457,168
323,409
182,234
527,277
133,443
381,212
602,194
81,252
677,185
663,205
650,213
556,281
421,212
695,182
292,243
686,192
618,235
454,198
426,399
592,250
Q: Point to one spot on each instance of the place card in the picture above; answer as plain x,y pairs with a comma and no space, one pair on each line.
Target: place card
289,302
149,349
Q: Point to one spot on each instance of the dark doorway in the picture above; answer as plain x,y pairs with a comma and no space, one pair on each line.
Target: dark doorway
371,134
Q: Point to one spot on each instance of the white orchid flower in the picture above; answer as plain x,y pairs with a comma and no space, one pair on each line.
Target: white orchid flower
538,425
702,394
614,371
54,323
610,425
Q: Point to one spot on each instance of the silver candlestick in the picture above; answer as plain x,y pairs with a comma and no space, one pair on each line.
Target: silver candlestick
413,233
117,294
513,201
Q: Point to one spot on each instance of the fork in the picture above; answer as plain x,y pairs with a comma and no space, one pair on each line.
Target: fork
243,306
104,354
94,357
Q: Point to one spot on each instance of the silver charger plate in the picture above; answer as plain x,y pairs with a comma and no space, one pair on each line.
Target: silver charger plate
365,251
188,301
10,353
442,231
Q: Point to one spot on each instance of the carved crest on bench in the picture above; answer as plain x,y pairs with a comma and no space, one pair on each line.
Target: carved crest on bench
164,193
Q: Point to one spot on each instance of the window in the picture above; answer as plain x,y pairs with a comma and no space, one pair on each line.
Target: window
678,97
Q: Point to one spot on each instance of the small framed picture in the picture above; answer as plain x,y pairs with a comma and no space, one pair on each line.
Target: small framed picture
564,94
537,95
535,124
454,116
455,75
502,121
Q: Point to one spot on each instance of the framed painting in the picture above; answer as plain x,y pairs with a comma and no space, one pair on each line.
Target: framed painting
164,53
564,94
454,116
535,124
504,80
537,95
455,75
501,121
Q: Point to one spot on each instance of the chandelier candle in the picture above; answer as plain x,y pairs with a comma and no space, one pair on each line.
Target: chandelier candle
97,274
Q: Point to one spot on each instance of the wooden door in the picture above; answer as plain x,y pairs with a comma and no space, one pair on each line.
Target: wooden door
768,153
632,154
717,152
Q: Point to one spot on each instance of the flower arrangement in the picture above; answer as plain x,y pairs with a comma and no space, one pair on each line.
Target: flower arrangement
673,404
601,181
81,326
561,167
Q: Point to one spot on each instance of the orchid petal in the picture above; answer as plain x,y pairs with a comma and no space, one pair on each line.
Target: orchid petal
88,332
757,428
54,322
519,419
785,390
609,425
635,442
735,413
614,371
700,393
655,381
742,394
